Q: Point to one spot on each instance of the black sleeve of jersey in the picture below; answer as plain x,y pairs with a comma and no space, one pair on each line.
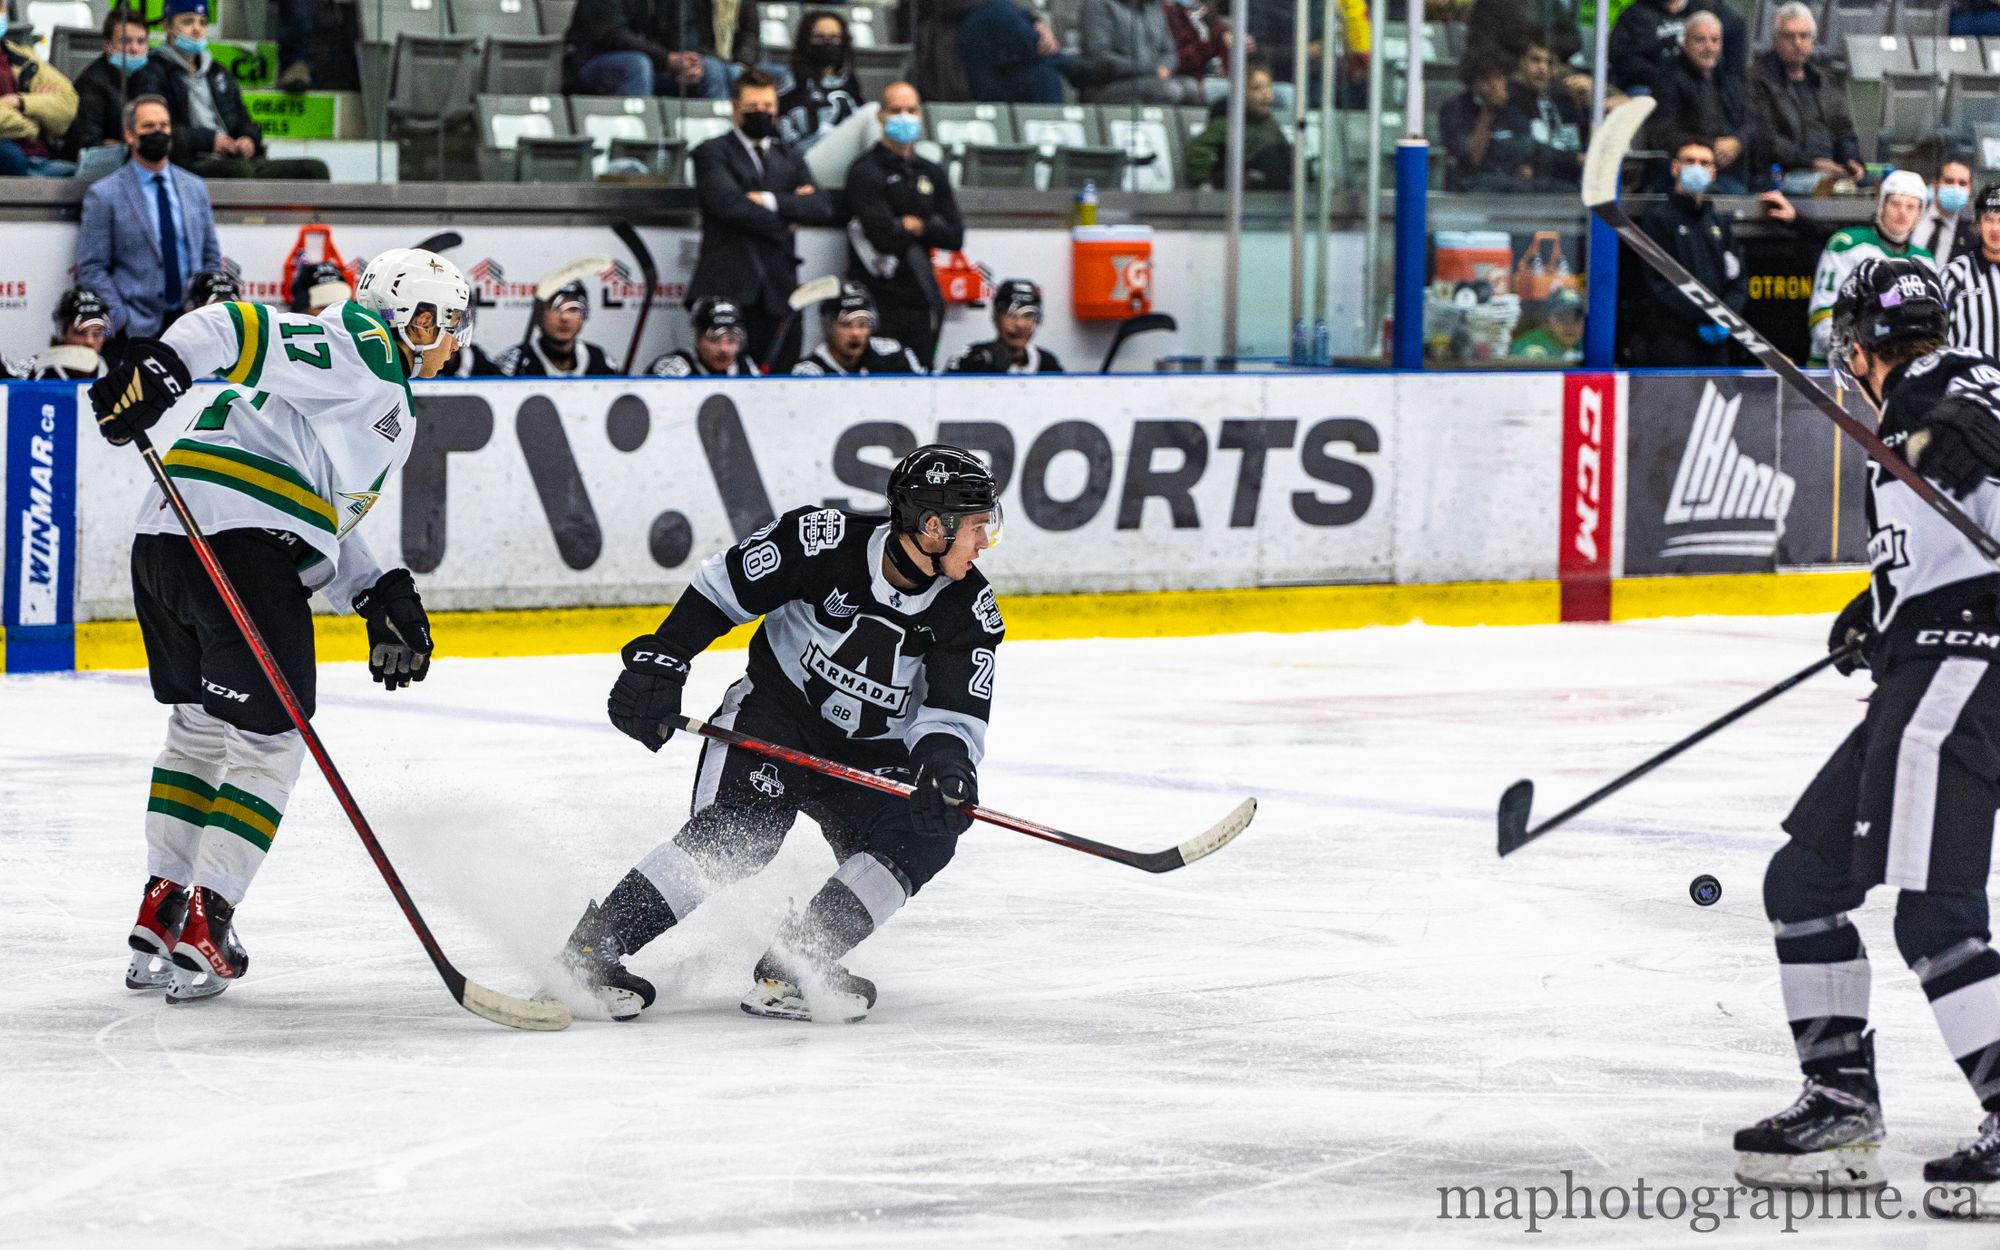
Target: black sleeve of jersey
1050,363
763,571
693,626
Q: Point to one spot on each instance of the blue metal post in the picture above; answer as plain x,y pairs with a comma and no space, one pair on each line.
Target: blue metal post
1600,327
1412,183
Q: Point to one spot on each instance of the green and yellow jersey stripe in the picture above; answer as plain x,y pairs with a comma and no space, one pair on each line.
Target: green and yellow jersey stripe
270,482
253,338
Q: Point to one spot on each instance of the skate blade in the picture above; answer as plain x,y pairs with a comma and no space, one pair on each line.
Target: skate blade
1962,1200
191,986
1844,1167
619,1004
774,1002
148,972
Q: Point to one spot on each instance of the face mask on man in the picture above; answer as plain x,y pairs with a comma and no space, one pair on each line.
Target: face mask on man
154,145
1695,179
192,47
904,128
760,125
824,53
130,62
1951,198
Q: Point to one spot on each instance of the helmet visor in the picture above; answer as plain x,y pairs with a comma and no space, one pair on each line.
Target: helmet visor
984,526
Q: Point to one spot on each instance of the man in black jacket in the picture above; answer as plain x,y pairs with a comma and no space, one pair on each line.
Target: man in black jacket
903,207
1674,332
637,48
1800,110
1700,105
213,134
755,192
105,84
1017,314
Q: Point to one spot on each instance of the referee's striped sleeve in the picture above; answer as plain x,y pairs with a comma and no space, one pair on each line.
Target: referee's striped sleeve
1972,292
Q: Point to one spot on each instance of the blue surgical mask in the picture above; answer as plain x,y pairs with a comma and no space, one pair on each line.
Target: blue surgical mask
1951,199
192,47
1695,179
131,62
3,25
904,128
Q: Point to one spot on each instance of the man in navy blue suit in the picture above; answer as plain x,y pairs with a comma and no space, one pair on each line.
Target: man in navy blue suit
147,229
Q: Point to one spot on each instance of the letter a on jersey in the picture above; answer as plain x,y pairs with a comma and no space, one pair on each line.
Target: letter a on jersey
854,685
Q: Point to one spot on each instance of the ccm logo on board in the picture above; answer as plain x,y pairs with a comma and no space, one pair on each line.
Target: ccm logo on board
1589,452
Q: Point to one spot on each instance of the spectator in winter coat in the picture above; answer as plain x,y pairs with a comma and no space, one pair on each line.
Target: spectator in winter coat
824,91
1126,43
1267,157
1645,40
1699,105
634,48
37,105
213,134
1489,142
1799,111
1009,55
107,83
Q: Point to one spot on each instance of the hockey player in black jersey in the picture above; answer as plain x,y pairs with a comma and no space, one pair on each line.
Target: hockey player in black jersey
557,349
1909,798
1017,314
877,649
851,348
82,320
718,345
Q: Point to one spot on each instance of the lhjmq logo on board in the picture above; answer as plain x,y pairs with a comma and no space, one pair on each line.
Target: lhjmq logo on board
1705,493
1719,482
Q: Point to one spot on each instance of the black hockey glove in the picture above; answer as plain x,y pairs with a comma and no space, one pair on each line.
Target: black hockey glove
647,695
1958,446
1854,624
946,786
399,633
134,396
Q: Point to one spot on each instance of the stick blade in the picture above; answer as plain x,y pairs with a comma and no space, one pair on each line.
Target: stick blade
1514,807
824,287
575,271
515,1013
441,242
1608,146
1217,835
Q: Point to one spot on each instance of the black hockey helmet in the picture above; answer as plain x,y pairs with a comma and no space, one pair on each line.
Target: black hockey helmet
945,482
1015,296
211,286
570,293
80,308
717,312
853,301
1885,301
318,283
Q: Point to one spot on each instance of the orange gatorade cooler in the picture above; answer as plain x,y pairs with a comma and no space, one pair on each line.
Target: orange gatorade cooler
1475,256
1111,272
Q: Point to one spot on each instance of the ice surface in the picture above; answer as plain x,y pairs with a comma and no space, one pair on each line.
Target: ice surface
1293,1043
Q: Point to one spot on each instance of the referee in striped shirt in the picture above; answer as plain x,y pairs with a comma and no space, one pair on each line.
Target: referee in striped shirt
1972,282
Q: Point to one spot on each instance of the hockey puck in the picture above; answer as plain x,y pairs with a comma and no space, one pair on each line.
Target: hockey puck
1705,890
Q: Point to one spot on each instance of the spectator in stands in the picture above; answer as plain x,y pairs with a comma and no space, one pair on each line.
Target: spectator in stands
1267,155
1944,231
718,345
1972,281
75,353
1557,121
1975,17
1675,332
1200,31
824,90
1017,314
317,285
903,207
755,192
293,34
1489,142
725,34
849,347
213,133
1559,337
1009,55
1129,55
1644,41
1797,107
1271,28
107,83
37,105
633,48
1899,204
938,72
147,229
557,350
1503,29
1699,105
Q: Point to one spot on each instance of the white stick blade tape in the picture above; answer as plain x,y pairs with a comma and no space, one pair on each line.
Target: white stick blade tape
1220,834
1608,148
515,1013
575,271
824,287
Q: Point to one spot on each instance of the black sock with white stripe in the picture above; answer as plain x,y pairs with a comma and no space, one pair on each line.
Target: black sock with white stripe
1823,970
1962,983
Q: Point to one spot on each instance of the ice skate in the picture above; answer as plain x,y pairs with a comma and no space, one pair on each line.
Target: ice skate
1965,1185
791,989
207,954
594,959
1830,1138
161,913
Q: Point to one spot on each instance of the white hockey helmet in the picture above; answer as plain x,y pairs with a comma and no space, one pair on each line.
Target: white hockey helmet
404,281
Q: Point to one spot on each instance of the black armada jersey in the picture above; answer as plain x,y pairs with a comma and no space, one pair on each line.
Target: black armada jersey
840,645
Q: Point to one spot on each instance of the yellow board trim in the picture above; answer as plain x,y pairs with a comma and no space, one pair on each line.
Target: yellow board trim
1163,614
189,458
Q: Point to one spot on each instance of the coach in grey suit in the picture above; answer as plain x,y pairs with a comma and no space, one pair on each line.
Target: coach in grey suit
147,229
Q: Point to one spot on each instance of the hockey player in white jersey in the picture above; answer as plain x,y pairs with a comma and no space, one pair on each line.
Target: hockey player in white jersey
278,468
1909,799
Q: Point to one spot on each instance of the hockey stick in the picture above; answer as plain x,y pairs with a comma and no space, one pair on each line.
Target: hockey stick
1140,324
555,280
1600,194
441,242
1514,804
644,255
803,296
515,1013
1209,841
